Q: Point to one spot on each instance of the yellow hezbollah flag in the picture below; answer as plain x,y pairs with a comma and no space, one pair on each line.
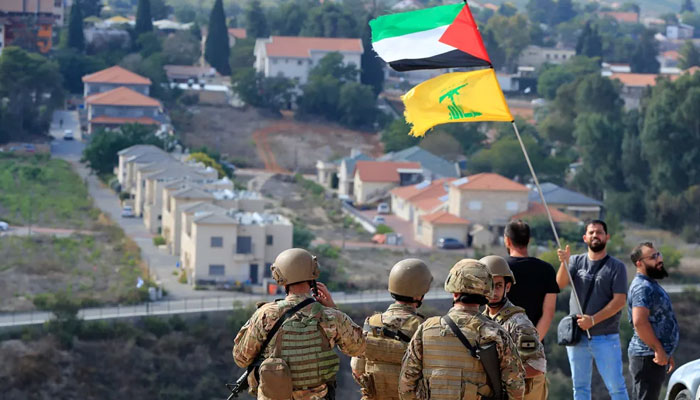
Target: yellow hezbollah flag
455,97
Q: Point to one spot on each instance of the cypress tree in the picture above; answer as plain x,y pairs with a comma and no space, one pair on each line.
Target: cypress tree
371,72
256,23
687,6
216,48
143,18
76,38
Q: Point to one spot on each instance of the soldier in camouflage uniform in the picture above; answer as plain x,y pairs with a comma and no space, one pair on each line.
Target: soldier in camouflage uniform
388,333
437,365
521,329
306,339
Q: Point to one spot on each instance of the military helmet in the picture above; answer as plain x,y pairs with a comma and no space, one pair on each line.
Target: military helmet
293,266
410,277
471,277
498,266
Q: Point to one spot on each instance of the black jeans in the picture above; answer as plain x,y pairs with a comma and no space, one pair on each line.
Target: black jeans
647,377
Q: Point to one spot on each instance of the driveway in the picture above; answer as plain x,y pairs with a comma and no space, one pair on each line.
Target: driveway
405,228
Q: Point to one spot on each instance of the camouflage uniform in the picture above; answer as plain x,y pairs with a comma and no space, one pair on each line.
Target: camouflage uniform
337,326
435,353
377,372
526,339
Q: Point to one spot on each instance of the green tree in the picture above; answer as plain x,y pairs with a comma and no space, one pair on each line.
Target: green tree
159,10
395,137
563,11
90,7
31,88
73,66
644,56
273,93
496,53
76,38
507,9
689,55
101,153
687,6
330,20
692,19
208,161
470,136
256,22
185,13
242,55
357,105
287,19
511,34
371,68
216,48
589,43
181,48
539,10
149,44
144,21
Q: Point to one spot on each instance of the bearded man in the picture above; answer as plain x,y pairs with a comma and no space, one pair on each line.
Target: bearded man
601,281
656,331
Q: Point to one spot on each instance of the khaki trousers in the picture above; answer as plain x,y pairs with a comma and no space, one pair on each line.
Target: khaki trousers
536,388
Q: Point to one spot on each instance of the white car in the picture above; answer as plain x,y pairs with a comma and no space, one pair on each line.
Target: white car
68,135
378,220
128,212
4,226
383,208
685,382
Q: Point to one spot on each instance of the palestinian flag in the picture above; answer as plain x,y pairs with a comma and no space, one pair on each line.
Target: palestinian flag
432,38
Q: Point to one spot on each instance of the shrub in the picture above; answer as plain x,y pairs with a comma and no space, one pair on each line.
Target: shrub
381,228
672,256
158,241
124,196
327,250
156,326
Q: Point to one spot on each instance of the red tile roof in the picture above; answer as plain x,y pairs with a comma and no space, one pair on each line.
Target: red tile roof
490,181
444,218
382,171
635,80
621,16
301,47
122,96
424,196
117,120
537,209
238,33
116,74
670,54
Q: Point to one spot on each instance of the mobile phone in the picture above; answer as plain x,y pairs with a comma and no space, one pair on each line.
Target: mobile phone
314,288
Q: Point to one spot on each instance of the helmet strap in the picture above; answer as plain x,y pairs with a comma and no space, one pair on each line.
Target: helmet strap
468,298
407,299
499,303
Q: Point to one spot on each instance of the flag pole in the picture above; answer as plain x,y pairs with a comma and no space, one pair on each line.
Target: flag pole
549,216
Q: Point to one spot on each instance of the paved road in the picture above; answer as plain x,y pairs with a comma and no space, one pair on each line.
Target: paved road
39,230
197,305
65,120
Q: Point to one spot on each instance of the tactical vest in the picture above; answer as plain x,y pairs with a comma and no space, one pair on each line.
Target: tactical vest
384,352
303,345
505,313
449,370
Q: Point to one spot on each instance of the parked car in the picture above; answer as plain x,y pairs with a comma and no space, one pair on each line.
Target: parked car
450,243
128,212
29,148
68,135
378,220
383,208
684,382
4,226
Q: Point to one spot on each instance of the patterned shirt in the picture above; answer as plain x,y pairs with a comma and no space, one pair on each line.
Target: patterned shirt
646,292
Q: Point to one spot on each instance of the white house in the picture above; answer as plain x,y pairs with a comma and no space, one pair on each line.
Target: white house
294,57
536,56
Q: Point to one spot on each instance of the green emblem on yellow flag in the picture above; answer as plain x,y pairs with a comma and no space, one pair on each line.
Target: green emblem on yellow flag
455,97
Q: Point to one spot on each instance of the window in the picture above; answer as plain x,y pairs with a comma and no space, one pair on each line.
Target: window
298,62
512,206
268,272
269,240
217,241
160,217
547,56
253,276
217,270
244,245
475,205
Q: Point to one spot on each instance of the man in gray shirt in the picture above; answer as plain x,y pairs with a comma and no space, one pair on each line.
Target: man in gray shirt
601,313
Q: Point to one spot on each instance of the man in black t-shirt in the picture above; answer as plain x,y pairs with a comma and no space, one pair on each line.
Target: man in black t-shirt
537,287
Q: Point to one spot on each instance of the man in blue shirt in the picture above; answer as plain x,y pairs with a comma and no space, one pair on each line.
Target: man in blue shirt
655,326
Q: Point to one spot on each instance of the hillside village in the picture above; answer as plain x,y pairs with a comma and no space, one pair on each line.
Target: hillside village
156,153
